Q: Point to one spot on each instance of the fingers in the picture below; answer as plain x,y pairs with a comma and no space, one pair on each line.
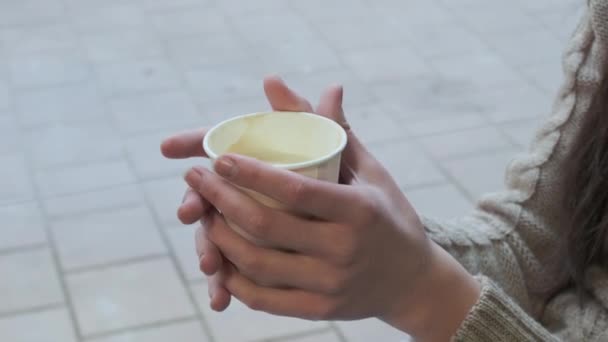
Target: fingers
324,200
282,98
193,207
218,294
210,257
276,228
184,145
269,267
283,302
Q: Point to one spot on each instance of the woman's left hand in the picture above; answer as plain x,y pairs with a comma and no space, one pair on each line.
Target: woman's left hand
364,254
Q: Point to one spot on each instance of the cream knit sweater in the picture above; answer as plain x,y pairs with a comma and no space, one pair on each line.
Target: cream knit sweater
508,240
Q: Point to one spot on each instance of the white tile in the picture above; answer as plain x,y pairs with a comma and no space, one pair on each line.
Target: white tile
312,85
256,29
148,162
240,324
225,83
216,112
466,142
425,97
126,44
33,39
481,174
154,112
522,132
71,103
238,9
99,238
414,16
48,69
549,76
371,330
366,32
534,47
443,40
11,139
184,21
190,331
5,98
182,241
107,18
385,64
31,13
496,18
61,144
562,22
161,5
441,201
408,165
209,49
76,179
305,55
510,104
477,71
443,123
21,226
115,197
331,10
124,78
128,296
323,337
372,124
29,280
52,325
14,179
166,196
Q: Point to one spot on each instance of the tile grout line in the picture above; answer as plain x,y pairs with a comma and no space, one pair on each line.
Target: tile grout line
155,217
141,327
114,264
53,249
23,248
32,310
289,337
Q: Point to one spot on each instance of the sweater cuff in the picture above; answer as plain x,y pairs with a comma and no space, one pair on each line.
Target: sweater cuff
496,317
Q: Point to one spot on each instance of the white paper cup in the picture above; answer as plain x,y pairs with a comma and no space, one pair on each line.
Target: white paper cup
305,143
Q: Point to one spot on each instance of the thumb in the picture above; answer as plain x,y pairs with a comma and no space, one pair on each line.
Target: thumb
358,164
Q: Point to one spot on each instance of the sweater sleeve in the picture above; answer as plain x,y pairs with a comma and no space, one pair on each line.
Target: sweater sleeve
497,318
512,236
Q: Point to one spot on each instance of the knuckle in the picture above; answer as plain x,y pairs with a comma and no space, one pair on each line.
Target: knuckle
252,264
258,224
296,191
213,193
370,208
254,302
334,284
346,250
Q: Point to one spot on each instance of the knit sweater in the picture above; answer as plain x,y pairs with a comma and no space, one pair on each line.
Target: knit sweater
510,238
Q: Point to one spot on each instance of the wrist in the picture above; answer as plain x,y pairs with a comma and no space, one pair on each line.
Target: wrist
439,302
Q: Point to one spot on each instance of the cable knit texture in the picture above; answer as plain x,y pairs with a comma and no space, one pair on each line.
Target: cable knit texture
510,238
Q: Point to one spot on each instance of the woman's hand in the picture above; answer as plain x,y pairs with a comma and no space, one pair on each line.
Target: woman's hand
365,253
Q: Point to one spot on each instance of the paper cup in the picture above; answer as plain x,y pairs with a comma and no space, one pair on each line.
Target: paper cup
308,144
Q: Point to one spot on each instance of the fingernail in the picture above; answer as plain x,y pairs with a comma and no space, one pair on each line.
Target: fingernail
225,167
198,169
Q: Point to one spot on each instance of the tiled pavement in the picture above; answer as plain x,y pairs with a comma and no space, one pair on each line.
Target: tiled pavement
443,91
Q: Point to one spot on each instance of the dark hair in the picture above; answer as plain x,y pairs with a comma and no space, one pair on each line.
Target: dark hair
586,193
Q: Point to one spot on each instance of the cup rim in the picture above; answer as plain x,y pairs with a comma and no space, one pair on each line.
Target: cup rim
292,166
